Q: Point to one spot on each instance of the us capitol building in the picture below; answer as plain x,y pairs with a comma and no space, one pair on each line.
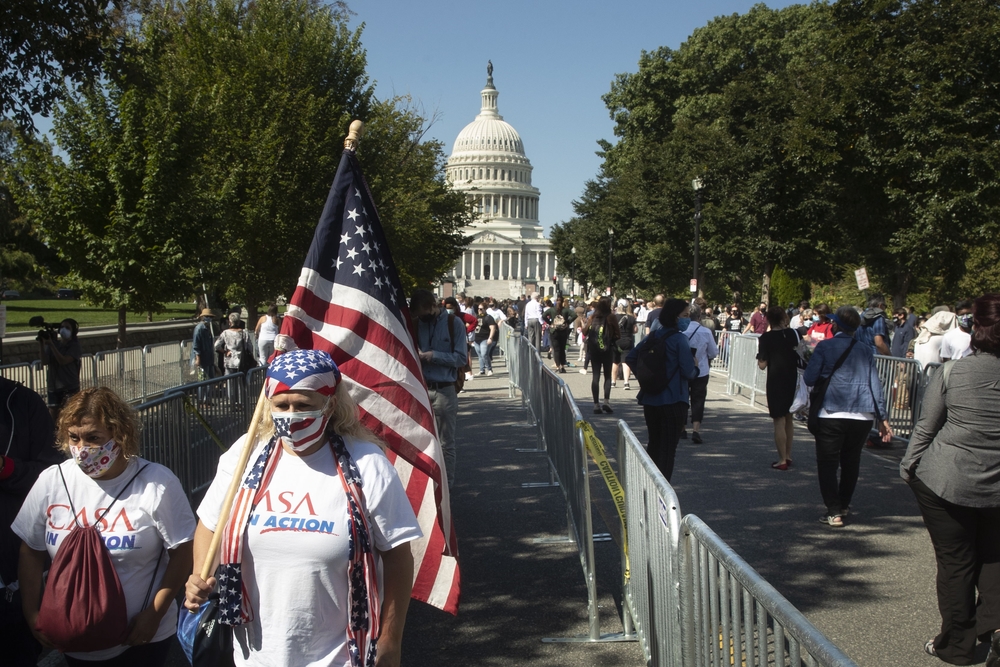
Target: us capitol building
508,254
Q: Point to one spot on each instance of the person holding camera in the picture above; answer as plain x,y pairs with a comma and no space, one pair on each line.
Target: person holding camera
60,352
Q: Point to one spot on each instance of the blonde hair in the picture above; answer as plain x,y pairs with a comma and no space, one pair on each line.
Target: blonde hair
106,408
344,420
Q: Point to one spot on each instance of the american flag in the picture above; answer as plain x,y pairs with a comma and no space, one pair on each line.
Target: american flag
349,302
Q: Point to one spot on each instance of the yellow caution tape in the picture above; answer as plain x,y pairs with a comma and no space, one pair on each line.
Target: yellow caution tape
192,409
596,450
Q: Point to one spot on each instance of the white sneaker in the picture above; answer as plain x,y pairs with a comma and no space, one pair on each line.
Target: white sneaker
583,371
469,377
489,372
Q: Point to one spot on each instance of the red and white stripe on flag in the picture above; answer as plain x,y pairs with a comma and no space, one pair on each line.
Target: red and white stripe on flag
349,302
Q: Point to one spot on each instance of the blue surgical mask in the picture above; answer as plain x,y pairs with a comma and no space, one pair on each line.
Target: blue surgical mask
683,323
815,318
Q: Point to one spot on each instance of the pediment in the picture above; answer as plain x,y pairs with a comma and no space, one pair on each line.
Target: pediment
486,236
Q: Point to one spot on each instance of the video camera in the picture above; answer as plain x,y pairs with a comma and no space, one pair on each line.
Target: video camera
47,332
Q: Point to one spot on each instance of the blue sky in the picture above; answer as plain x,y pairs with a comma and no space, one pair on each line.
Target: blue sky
552,59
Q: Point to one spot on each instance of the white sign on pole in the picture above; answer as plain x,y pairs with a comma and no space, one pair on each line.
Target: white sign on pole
3,320
862,277
694,285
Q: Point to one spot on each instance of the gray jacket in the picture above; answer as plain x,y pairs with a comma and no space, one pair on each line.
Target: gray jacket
955,447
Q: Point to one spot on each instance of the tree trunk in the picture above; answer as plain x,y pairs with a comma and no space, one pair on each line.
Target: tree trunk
252,315
149,316
903,282
765,286
122,334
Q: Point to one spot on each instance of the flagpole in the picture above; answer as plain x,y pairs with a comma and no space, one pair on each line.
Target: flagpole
354,136
234,485
351,144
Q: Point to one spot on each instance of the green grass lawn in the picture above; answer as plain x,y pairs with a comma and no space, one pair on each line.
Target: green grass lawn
19,311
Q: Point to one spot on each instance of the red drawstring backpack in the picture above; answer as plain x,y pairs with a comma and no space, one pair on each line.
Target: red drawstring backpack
83,608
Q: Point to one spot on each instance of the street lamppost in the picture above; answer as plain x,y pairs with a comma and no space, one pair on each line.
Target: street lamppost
611,254
697,185
572,271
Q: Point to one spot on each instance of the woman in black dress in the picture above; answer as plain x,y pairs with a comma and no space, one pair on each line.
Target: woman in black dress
776,351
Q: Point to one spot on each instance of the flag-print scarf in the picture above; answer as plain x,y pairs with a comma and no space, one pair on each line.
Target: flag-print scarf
234,602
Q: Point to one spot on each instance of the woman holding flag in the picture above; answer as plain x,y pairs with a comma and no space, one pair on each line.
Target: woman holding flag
315,565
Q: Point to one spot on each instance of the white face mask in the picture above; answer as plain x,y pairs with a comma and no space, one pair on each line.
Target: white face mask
300,430
65,333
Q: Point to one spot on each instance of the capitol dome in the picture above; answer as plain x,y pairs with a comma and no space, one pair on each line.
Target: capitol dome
508,253
488,164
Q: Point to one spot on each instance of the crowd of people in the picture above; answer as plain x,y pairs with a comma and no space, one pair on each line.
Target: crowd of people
80,467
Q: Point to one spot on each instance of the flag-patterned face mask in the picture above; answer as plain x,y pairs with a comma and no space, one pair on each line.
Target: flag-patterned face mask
302,370
300,430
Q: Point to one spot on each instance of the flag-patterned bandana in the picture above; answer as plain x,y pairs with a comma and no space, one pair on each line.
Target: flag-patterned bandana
234,602
302,370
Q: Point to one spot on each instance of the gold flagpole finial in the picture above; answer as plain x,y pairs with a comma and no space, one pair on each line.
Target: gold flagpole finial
354,135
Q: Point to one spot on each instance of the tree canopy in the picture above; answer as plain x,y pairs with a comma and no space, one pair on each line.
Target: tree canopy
206,151
854,132
43,43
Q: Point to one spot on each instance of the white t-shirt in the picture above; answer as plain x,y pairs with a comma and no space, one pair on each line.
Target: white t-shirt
296,551
955,344
496,314
152,514
929,352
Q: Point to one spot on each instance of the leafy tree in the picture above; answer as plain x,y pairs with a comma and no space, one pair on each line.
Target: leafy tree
23,253
43,43
417,207
115,208
925,110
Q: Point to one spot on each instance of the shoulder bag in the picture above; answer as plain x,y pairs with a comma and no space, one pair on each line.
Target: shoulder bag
818,392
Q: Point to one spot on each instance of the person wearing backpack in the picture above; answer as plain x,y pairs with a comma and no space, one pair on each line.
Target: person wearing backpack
663,365
145,527
600,332
560,318
627,326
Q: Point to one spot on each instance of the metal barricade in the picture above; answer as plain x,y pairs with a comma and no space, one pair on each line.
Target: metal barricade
743,370
167,436
732,616
122,371
903,388
653,520
22,373
163,368
255,382
721,361
552,408
221,412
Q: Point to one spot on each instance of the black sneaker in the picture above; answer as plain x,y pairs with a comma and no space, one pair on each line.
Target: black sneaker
993,658
696,437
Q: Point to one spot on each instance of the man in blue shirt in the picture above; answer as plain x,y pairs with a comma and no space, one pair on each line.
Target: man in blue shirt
873,330
442,348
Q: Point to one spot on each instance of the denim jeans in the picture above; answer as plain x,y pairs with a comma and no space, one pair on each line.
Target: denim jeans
484,350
